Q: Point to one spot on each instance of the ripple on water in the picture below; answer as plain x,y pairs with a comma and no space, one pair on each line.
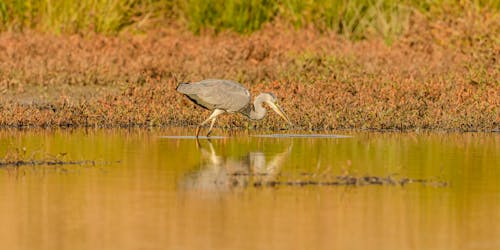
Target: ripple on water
191,137
302,136
261,136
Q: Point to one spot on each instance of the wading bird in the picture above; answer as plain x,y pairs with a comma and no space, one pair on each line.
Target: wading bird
225,96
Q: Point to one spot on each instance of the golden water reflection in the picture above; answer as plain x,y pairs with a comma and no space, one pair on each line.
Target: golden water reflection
217,173
152,193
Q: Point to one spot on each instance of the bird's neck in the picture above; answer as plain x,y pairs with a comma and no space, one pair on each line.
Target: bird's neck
258,112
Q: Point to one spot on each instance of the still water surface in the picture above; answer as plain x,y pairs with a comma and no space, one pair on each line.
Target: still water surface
160,190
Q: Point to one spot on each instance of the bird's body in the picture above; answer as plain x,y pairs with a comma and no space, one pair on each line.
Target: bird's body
217,94
228,96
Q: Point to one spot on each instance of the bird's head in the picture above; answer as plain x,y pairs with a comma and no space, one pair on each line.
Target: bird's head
271,100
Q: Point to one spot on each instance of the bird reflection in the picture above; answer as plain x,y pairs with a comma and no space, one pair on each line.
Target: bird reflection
218,173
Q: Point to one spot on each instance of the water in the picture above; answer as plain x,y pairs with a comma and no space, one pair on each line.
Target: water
161,190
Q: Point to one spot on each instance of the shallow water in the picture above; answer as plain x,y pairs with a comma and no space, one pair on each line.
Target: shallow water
161,189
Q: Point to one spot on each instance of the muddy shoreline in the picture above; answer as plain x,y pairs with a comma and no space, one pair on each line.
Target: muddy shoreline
428,79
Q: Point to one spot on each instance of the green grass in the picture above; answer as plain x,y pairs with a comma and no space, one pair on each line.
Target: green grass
237,15
355,19
68,16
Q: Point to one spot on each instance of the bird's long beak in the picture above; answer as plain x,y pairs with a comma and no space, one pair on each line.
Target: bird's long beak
279,111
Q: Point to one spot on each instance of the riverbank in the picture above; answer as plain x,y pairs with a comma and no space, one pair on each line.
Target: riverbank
439,75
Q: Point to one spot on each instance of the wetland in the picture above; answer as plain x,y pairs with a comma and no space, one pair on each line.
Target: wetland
157,189
395,143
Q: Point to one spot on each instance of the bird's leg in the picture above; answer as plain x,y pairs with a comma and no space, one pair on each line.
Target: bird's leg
211,126
198,131
199,126
211,117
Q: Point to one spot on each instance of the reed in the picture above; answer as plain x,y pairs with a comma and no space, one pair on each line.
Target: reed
354,19
237,15
68,16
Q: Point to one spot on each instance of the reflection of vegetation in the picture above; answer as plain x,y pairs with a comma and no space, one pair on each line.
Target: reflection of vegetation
354,19
355,181
16,157
223,173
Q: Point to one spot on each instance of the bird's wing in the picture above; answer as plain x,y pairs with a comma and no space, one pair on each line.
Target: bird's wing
215,93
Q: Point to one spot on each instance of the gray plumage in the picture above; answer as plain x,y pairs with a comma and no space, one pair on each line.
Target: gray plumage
217,94
228,96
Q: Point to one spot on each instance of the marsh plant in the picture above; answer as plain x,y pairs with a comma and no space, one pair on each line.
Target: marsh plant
355,19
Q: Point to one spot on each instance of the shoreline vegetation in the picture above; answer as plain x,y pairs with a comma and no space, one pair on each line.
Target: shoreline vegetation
355,19
376,65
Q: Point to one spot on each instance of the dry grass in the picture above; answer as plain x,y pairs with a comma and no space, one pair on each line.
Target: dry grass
442,74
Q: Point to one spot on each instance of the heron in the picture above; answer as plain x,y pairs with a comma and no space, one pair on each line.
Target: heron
226,96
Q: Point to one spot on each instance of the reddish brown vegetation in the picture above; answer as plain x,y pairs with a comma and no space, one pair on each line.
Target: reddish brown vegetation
441,75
